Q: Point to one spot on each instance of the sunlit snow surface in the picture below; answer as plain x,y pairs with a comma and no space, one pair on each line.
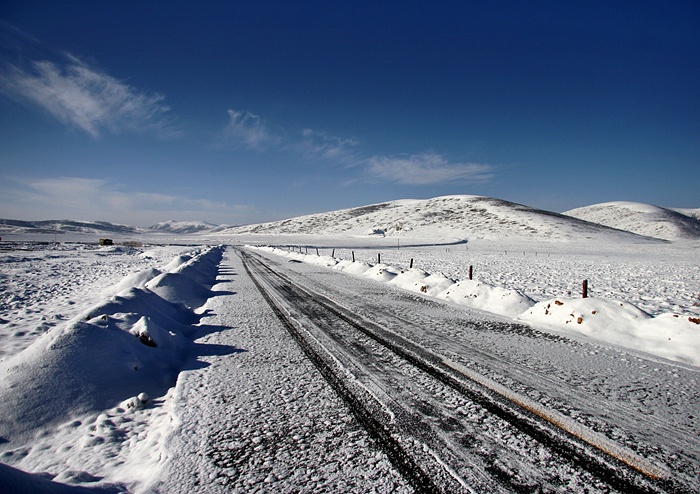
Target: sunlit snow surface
72,317
642,219
639,297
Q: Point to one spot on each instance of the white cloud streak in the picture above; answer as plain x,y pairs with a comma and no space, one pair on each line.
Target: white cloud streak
87,98
248,129
317,144
427,168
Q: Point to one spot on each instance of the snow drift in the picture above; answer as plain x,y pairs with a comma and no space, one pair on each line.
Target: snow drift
620,323
135,342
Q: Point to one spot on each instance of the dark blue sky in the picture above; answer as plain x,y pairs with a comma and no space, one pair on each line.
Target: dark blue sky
236,112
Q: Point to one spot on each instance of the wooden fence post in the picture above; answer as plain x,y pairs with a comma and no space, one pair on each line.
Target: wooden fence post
317,251
471,271
333,253
585,288
379,258
353,256
411,265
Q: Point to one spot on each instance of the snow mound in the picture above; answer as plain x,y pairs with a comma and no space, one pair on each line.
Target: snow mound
417,280
132,343
412,277
326,261
189,278
177,262
17,481
179,289
640,218
483,296
86,366
202,268
353,267
382,272
136,280
623,324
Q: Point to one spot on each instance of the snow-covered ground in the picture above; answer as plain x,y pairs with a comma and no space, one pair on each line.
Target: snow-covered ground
46,285
86,347
641,297
113,377
78,324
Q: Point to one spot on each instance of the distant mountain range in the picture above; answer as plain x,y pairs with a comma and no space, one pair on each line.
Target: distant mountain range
65,226
459,217
185,227
103,228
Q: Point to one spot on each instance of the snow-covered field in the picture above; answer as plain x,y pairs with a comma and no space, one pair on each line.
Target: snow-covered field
78,324
46,285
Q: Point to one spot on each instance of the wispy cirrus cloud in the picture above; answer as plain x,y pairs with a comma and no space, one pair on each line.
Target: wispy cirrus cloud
87,98
249,130
427,168
246,129
318,144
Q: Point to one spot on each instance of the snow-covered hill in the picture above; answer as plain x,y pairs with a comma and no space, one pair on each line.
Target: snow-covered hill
18,227
693,213
461,216
447,217
643,219
65,226
173,226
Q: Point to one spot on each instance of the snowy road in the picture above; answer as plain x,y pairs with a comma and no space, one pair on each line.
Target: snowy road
295,377
468,440
256,416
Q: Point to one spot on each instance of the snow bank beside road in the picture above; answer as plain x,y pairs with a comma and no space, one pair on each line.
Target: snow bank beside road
612,321
474,294
616,322
487,297
105,362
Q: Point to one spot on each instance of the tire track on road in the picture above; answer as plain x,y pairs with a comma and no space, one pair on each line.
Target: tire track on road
626,472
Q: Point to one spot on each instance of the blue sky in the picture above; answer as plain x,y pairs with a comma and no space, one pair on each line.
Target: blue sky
241,112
